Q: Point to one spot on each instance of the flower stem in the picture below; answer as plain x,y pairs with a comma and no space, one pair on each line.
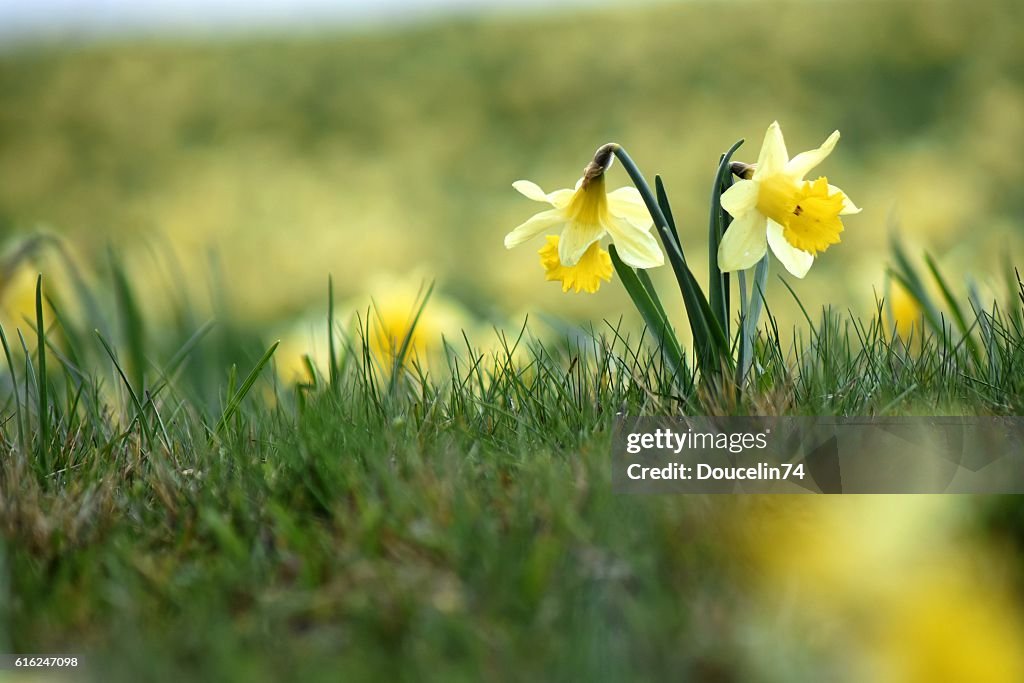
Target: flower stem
661,224
645,191
752,318
712,345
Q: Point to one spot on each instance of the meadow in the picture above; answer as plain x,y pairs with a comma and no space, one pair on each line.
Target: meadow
166,518
414,482
393,152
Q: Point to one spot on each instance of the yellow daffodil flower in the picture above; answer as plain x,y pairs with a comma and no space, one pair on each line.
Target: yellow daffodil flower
905,596
776,207
587,214
904,311
384,314
595,265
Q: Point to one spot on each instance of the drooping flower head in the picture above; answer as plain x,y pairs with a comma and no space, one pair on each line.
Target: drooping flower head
585,215
776,207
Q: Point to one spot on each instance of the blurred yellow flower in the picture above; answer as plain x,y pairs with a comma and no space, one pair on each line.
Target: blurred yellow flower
396,301
905,312
18,296
384,316
587,214
891,581
20,267
304,338
595,265
948,625
776,207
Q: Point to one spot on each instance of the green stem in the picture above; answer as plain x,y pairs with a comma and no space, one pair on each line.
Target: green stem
709,338
645,191
753,317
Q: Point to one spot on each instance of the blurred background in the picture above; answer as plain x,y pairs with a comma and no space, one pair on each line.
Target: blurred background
378,141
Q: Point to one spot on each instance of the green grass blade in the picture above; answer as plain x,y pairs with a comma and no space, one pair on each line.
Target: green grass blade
645,280
139,410
403,349
654,316
30,372
799,303
132,327
236,399
14,390
68,332
985,322
928,308
906,274
1014,291
954,307
332,357
42,394
1020,287
83,290
186,349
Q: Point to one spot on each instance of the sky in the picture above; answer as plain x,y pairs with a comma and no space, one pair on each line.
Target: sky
29,19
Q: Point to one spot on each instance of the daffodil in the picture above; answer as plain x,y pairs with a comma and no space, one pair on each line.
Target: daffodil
389,312
586,214
20,265
905,312
595,265
906,597
398,313
776,207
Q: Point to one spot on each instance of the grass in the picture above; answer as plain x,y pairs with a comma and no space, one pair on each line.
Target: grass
399,518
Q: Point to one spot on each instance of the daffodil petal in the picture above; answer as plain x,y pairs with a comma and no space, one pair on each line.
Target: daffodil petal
637,247
740,198
535,225
743,244
803,163
576,238
629,194
848,206
530,190
796,261
627,203
773,156
560,198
